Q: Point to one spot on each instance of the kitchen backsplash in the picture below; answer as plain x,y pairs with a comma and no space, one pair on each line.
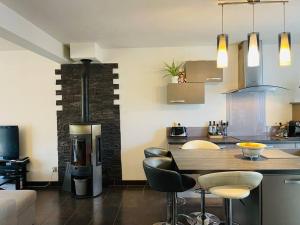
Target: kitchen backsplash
246,114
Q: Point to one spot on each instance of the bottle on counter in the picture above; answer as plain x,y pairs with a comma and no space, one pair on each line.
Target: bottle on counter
221,129
210,128
214,128
217,129
226,129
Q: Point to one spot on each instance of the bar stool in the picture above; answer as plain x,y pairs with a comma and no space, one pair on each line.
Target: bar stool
162,177
200,144
161,152
156,152
230,185
202,216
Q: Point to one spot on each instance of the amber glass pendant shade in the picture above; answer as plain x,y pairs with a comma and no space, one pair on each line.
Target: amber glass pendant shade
222,57
253,49
285,58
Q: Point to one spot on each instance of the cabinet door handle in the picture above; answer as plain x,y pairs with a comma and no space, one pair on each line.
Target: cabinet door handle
177,101
292,182
213,78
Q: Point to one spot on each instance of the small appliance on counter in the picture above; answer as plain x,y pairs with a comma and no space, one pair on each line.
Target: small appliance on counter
178,131
294,129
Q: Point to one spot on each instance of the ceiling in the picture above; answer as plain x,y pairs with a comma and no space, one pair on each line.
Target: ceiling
154,23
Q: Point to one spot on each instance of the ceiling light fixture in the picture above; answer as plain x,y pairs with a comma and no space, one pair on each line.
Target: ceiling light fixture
239,2
253,44
253,38
284,45
222,47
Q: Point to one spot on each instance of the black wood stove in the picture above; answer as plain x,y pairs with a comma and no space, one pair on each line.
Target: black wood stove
83,176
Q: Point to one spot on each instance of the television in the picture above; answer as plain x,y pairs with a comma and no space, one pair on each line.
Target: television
9,142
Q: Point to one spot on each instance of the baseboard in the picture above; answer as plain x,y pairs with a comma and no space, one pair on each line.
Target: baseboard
45,184
42,184
134,182
129,183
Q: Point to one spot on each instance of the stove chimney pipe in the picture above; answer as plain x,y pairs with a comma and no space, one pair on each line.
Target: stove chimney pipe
85,90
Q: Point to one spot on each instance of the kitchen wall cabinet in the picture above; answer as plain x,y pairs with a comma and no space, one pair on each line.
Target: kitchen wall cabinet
295,110
186,93
203,71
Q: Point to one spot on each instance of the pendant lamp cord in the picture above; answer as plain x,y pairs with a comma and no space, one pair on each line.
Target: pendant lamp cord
284,16
222,20
253,21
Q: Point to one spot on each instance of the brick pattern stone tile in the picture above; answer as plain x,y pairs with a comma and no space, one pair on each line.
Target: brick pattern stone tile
102,110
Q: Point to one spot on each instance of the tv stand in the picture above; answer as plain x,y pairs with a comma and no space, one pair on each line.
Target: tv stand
15,170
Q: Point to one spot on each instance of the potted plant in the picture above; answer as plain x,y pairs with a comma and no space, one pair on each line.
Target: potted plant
173,71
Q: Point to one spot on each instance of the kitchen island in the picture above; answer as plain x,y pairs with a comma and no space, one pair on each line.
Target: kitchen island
275,202
291,144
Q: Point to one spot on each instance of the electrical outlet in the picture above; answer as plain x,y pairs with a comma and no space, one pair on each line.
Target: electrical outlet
54,169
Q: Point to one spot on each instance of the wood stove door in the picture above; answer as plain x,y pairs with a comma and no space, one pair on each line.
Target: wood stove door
81,150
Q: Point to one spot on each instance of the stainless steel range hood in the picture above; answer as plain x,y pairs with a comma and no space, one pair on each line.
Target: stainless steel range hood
250,79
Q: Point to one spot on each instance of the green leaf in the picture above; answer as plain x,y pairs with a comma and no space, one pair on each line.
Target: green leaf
172,69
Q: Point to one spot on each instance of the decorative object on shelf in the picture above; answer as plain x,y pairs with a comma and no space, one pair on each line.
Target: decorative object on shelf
284,44
222,45
253,37
181,78
173,70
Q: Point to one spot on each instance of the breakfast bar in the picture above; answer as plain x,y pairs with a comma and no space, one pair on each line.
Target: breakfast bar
275,202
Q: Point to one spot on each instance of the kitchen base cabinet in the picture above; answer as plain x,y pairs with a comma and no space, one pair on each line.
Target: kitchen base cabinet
281,200
275,202
247,211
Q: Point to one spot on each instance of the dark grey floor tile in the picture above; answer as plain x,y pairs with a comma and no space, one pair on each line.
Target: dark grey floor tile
127,205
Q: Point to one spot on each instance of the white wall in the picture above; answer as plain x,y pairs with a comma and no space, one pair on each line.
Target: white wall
278,108
145,114
27,98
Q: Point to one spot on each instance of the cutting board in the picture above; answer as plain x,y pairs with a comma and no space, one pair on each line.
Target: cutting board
277,154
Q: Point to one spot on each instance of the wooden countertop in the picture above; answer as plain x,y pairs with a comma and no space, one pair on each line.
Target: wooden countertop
203,161
233,140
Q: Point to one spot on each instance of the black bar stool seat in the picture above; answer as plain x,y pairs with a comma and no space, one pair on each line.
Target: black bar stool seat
156,152
162,177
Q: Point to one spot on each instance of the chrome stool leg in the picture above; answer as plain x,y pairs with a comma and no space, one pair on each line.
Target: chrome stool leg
204,218
175,215
228,213
169,207
174,209
172,216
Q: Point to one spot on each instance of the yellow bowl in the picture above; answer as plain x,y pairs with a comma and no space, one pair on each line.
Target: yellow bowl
251,149
251,145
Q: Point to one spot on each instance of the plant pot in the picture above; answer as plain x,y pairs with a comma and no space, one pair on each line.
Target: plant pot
174,79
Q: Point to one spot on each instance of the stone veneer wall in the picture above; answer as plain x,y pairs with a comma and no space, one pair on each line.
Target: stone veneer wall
102,110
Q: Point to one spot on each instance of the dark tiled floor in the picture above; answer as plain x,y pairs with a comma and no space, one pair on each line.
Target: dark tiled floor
116,206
